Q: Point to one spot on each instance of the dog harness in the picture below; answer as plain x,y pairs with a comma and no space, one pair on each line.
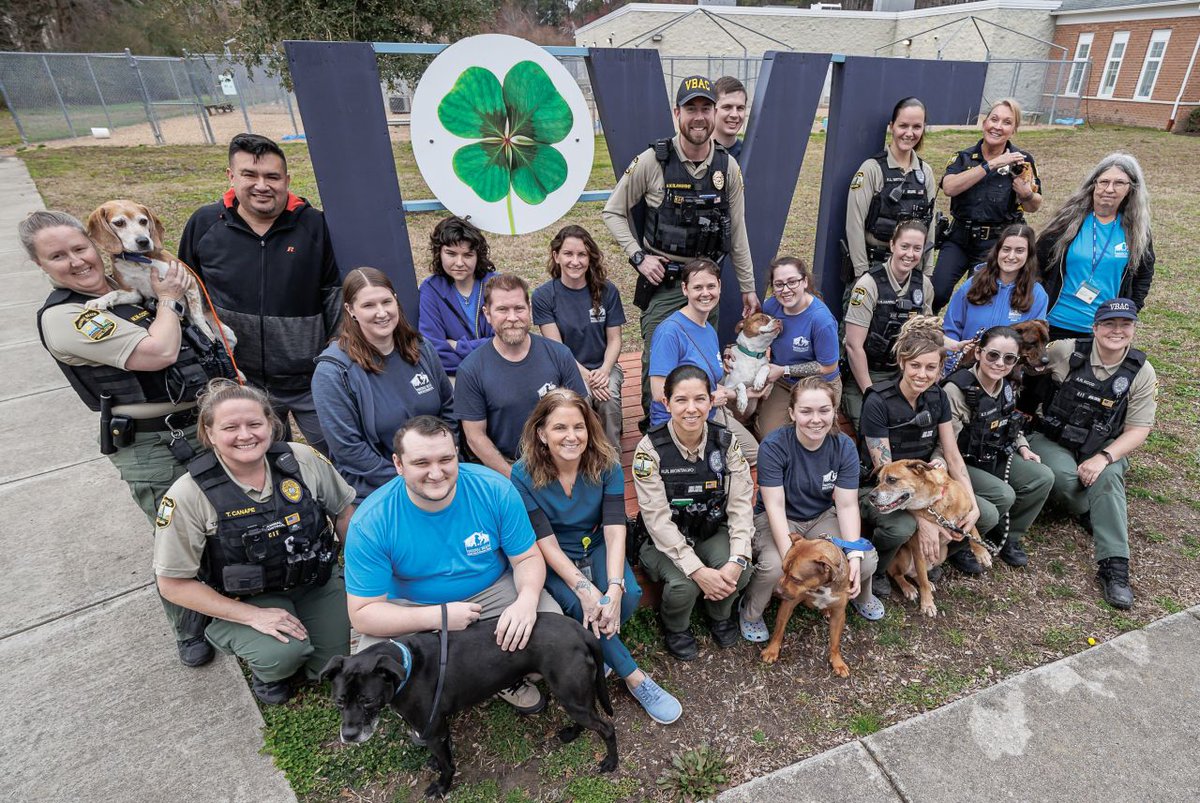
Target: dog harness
693,219
1085,413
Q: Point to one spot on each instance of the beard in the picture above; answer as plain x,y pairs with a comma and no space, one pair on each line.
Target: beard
514,335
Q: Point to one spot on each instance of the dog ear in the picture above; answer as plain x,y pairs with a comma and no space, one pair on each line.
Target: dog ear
796,537
156,226
388,665
738,327
333,668
835,568
101,233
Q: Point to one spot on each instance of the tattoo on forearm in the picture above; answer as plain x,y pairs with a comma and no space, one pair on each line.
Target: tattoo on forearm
810,368
582,584
880,451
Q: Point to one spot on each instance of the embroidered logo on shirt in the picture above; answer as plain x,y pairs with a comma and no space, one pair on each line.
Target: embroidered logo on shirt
598,316
1121,250
828,480
95,325
421,383
801,343
477,543
165,511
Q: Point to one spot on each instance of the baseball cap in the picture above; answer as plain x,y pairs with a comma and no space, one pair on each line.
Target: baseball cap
1116,308
695,86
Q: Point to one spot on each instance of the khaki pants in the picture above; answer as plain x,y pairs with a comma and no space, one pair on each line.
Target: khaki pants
773,410
611,415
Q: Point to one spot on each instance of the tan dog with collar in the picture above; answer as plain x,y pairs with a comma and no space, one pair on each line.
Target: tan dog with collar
815,574
748,365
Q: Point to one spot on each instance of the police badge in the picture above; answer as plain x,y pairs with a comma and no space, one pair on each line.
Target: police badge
716,462
718,180
1120,385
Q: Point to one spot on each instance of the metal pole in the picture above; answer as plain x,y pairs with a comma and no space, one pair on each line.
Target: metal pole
16,118
88,60
1057,88
241,99
158,137
57,94
287,98
201,115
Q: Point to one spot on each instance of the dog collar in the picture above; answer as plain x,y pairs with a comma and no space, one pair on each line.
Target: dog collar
139,258
861,545
405,661
755,354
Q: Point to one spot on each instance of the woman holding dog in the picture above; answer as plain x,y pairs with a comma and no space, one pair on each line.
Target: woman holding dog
807,344
452,298
250,536
376,375
695,494
570,478
582,309
910,418
991,184
1002,292
807,484
1002,467
882,300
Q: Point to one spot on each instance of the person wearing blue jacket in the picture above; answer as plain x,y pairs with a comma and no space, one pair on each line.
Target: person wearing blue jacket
1003,291
372,379
452,298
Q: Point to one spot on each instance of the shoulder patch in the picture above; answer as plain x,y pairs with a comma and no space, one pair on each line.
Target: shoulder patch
166,510
319,454
632,165
856,298
857,181
643,465
94,324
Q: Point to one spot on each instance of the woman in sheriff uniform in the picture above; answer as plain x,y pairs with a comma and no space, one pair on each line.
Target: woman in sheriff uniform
695,493
991,184
139,365
250,535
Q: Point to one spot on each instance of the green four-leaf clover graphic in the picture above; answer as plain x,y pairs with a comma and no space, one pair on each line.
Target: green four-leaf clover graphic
516,127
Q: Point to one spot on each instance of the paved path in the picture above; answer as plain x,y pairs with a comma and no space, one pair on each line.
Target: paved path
94,704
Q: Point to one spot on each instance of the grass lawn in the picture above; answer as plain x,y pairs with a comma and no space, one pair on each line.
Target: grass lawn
735,709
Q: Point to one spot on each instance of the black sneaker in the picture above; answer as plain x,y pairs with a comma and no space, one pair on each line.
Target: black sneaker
881,584
275,692
724,632
1114,578
965,562
1013,553
682,645
195,651
933,573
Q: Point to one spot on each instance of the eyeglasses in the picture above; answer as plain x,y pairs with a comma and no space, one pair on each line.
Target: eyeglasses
1116,184
790,284
991,355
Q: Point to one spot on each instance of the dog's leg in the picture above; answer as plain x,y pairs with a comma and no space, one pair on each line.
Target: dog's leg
770,653
981,554
570,733
896,573
760,379
837,623
578,700
923,584
195,311
439,746
743,400
113,299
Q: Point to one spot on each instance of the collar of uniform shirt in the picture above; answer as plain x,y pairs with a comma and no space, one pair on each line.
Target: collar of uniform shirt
688,453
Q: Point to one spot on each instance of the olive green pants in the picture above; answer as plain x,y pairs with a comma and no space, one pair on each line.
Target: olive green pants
890,531
322,610
149,469
664,301
1022,497
680,592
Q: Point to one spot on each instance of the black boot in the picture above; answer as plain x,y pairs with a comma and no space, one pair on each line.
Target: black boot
1114,577
964,560
1013,553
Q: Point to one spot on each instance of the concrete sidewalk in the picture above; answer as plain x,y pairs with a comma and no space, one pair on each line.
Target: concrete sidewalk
94,704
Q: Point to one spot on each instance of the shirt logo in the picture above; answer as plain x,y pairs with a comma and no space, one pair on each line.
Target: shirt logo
828,481
546,388
801,343
291,249
95,325
1121,250
598,316
477,543
421,383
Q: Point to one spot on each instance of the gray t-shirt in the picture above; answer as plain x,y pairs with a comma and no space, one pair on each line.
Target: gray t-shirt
583,330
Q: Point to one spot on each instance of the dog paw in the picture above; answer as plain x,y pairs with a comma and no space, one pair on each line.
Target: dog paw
770,655
569,734
103,302
839,668
910,593
929,609
608,764
985,559
436,789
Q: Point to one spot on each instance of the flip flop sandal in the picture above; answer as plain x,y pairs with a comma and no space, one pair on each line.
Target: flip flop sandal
871,610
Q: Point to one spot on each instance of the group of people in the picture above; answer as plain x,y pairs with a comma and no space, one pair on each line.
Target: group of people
470,469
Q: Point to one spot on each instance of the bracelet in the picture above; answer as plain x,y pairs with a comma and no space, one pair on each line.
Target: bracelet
1108,456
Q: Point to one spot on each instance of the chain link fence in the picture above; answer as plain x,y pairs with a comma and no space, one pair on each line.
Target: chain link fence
1047,90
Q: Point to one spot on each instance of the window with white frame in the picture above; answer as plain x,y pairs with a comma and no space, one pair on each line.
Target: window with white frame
1083,53
1153,64
1112,66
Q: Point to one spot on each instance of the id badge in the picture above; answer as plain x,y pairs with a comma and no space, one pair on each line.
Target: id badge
1086,293
585,568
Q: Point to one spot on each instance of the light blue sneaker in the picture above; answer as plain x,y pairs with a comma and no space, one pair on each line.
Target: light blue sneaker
662,707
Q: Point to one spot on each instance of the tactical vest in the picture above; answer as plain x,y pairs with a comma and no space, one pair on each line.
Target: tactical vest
1085,413
199,360
693,219
891,311
909,439
902,197
991,433
991,201
276,545
696,491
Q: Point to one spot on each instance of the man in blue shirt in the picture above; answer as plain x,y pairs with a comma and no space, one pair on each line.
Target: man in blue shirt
444,534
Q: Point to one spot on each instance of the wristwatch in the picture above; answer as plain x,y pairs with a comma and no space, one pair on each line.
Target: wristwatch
176,306
637,259
1108,456
739,560
987,168
620,583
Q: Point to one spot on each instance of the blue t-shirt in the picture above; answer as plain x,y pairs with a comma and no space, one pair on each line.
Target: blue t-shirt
964,320
584,331
503,393
410,391
806,336
807,478
574,517
678,341
1098,255
395,548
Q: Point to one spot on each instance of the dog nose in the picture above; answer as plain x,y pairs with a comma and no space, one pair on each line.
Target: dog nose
1045,361
143,242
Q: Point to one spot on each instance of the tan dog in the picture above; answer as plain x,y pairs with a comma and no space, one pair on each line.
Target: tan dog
749,366
919,487
817,575
133,236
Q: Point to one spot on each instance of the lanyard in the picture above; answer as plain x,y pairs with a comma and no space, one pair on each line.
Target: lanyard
1111,233
715,373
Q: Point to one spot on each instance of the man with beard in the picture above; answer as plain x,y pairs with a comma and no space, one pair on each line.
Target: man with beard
695,207
500,382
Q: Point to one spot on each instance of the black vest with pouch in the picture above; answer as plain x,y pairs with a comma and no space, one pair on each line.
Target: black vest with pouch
902,197
891,311
1085,413
991,433
693,219
910,436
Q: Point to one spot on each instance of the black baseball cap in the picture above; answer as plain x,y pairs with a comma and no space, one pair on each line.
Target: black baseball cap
695,86
1116,308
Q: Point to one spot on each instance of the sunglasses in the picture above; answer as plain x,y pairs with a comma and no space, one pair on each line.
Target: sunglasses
992,355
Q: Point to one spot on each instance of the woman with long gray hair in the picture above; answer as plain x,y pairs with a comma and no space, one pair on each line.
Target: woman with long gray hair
1098,246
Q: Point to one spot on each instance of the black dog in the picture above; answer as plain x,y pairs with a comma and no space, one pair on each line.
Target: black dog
566,656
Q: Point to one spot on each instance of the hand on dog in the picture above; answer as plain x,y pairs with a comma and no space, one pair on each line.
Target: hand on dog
930,540
750,304
172,285
714,584
855,572
276,622
516,624
722,396
968,521
461,615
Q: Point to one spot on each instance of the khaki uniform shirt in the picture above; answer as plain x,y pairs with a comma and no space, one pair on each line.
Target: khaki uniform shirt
186,518
960,411
1143,391
865,294
656,507
644,180
865,186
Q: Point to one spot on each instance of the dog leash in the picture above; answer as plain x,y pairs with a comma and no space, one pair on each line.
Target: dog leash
946,524
444,639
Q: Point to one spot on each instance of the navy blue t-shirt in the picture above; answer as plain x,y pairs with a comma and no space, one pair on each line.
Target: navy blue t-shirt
583,330
503,393
410,391
807,478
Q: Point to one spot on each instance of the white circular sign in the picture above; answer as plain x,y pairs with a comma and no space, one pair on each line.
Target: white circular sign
502,134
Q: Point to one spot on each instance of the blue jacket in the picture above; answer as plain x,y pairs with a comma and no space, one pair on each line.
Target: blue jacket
442,319
964,319
345,403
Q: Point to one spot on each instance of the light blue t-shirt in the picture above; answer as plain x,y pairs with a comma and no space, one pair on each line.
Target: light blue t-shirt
806,336
679,341
964,320
395,548
1097,255
576,516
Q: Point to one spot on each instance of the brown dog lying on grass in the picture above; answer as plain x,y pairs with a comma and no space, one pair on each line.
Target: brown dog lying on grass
918,487
816,574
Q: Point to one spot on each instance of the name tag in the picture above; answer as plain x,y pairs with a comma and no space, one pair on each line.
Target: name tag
1086,293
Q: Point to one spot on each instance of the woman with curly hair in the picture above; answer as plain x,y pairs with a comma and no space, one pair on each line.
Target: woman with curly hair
452,298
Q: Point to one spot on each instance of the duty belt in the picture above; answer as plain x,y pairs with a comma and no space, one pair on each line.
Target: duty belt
178,420
983,230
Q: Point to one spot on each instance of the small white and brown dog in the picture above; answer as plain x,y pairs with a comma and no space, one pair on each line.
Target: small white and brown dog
750,366
133,236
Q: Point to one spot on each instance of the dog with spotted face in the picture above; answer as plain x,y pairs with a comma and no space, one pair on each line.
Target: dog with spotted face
816,574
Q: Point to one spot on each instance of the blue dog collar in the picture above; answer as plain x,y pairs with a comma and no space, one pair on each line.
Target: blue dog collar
861,545
405,661
140,259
